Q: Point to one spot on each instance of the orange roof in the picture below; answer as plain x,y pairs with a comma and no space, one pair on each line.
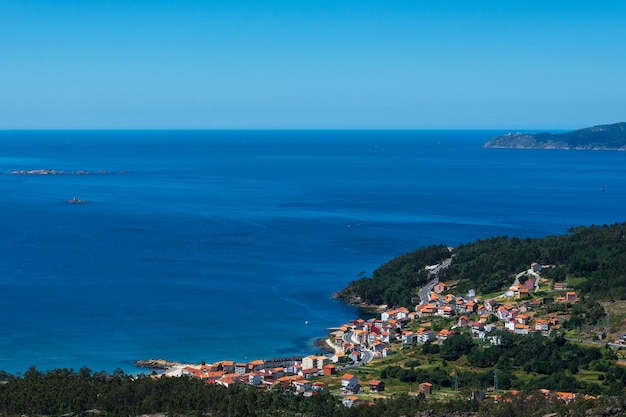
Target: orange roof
213,374
374,382
566,395
347,376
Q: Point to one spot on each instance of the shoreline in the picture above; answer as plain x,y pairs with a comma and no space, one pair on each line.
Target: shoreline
175,368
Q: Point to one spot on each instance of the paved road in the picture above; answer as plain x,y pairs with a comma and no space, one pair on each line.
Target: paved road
425,290
367,355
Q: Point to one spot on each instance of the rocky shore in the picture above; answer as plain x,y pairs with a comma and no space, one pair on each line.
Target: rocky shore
323,344
46,171
157,364
356,301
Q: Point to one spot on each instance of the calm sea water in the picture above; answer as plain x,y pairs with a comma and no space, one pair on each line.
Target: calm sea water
222,245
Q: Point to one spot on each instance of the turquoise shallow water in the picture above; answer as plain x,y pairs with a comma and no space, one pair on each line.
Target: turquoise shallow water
221,245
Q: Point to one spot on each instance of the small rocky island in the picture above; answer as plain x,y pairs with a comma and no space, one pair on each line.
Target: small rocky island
611,137
76,201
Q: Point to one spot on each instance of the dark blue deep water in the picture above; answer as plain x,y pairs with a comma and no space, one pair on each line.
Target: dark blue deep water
221,245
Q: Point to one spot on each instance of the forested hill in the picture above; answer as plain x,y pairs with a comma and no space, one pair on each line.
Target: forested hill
603,137
592,259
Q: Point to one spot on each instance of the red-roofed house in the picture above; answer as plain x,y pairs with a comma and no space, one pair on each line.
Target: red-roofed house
350,401
330,369
376,385
440,287
426,388
348,381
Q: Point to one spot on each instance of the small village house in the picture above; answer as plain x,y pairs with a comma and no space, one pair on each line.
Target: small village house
425,388
376,385
349,381
330,369
350,401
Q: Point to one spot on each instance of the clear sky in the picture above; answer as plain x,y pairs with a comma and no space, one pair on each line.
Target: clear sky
192,64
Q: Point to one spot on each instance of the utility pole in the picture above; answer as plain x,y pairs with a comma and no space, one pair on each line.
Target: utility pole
456,382
608,324
495,380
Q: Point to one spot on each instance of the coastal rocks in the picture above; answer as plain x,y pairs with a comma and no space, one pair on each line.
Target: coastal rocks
352,299
76,201
322,344
46,171
357,301
158,364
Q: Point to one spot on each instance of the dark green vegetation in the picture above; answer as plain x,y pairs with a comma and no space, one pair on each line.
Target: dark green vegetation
395,282
593,258
64,392
604,137
524,363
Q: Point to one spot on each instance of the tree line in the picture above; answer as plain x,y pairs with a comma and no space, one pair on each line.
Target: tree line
84,393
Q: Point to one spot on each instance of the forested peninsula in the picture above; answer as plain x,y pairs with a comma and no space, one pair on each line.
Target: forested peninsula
602,137
591,258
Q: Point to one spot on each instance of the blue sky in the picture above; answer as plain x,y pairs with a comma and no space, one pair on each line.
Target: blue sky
186,64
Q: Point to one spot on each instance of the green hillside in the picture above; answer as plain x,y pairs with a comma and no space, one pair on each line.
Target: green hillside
591,258
603,137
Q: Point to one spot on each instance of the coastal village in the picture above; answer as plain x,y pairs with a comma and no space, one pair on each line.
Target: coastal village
441,315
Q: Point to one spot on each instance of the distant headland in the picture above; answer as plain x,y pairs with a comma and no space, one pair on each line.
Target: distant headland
611,137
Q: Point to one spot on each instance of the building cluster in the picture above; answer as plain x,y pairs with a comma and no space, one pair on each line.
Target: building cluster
286,374
550,396
362,340
516,317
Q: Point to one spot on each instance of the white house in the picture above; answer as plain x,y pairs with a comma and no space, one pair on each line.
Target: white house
349,381
426,336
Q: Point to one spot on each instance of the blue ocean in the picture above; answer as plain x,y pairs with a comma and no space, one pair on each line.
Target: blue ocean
209,245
